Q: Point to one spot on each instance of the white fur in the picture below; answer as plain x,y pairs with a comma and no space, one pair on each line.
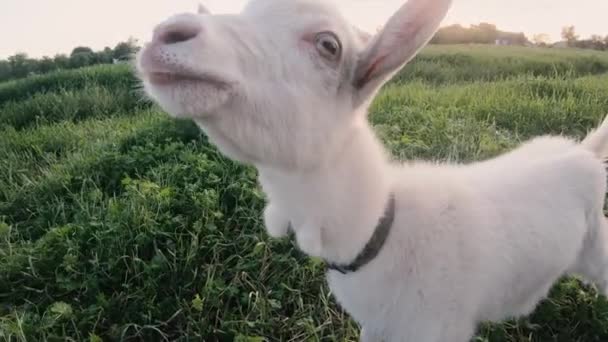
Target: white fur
483,241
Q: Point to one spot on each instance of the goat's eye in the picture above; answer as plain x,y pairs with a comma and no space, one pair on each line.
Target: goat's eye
328,45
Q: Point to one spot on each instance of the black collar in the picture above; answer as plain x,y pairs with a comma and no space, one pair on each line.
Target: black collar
375,243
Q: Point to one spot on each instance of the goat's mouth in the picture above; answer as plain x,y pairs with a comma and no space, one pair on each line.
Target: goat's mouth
166,78
187,94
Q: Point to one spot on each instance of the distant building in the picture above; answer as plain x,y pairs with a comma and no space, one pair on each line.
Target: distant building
510,38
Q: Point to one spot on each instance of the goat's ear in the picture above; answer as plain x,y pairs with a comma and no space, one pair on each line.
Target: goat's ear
406,32
202,9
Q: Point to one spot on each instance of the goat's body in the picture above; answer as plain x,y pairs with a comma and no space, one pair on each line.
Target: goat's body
481,242
470,243
286,86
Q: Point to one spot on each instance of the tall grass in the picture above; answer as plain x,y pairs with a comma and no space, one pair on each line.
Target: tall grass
119,223
91,101
119,77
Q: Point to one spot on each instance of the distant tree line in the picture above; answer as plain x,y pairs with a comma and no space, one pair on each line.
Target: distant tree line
485,33
21,65
595,42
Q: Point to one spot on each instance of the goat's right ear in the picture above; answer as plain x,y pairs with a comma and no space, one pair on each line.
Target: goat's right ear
406,32
202,9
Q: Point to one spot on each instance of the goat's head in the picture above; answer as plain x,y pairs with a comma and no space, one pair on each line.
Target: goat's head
279,84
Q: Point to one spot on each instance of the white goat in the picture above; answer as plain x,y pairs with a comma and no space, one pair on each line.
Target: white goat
285,86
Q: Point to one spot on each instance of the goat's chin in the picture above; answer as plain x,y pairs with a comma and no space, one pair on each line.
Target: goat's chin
190,98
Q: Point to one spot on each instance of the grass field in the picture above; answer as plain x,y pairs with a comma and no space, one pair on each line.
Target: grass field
119,223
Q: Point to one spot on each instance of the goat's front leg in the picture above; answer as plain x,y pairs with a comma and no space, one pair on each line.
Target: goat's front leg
424,327
368,336
309,239
276,222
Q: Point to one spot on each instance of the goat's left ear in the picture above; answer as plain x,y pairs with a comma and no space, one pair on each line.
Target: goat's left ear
202,9
406,32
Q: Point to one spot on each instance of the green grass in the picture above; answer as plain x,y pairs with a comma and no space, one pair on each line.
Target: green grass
119,223
441,64
115,77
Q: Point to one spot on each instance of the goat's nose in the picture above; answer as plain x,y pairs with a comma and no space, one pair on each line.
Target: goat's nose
177,30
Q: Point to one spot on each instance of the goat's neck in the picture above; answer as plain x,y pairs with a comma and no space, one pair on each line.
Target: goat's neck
344,197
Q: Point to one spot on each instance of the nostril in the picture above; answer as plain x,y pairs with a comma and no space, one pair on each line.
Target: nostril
173,37
178,35
177,32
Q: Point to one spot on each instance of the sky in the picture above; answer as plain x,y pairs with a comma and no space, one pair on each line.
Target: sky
48,27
